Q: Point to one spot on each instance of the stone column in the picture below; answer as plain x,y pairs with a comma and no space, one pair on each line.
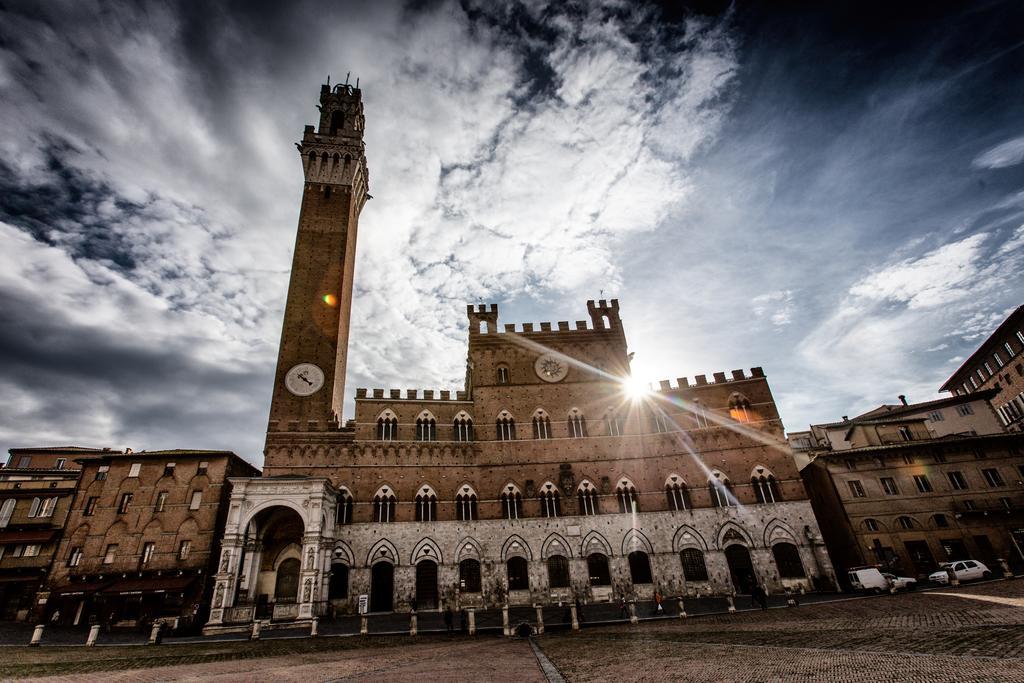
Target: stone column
504,621
575,617
225,578
540,619
309,583
472,621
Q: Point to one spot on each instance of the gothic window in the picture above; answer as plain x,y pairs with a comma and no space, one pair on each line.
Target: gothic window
550,505
337,121
659,421
587,494
387,426
597,568
627,497
787,559
613,423
700,415
465,505
541,425
694,568
426,505
469,576
503,375
511,502
462,427
384,504
518,574
720,490
558,571
505,426
426,427
345,504
640,567
677,493
739,407
766,488
577,424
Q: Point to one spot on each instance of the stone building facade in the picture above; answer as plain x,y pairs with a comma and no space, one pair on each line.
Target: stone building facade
546,479
142,536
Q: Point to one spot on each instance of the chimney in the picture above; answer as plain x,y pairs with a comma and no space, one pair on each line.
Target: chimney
903,399
845,418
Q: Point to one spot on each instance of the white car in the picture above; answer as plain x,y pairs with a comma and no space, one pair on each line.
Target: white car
965,570
901,582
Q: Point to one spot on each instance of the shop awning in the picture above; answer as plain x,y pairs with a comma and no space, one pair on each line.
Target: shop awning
160,584
79,588
40,536
20,579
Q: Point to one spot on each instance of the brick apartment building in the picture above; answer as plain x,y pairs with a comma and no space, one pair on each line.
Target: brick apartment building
543,480
141,538
37,486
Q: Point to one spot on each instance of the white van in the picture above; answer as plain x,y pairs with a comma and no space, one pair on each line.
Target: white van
868,579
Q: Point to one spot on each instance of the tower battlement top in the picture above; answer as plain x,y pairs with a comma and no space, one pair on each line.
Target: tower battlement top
483,320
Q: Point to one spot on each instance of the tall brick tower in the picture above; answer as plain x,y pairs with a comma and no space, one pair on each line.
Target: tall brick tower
309,384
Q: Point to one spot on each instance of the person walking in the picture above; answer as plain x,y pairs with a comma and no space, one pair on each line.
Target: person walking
448,619
657,603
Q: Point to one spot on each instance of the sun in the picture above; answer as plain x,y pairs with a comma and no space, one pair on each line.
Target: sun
634,388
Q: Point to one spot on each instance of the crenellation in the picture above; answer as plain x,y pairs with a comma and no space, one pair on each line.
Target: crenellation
411,394
545,327
563,325
719,377
396,393
527,327
510,327
701,380
737,375
581,325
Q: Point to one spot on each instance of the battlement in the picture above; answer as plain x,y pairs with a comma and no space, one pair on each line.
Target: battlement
483,320
443,395
702,380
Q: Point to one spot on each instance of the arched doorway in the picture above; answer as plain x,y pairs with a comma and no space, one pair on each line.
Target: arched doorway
286,586
338,587
597,567
741,569
382,587
426,585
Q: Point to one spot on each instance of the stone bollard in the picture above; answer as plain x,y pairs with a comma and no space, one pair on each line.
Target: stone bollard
732,603
94,634
682,609
37,635
154,633
1004,566
472,621
953,581
314,627
257,625
632,613
574,617
540,620
790,600
504,622
413,622
364,626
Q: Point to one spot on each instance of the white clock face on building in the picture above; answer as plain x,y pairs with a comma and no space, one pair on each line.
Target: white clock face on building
304,379
551,368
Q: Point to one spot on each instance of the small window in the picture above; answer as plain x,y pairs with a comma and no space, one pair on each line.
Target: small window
938,457
941,521
90,506
558,572
922,483
905,522
31,550
1006,503
908,460
850,464
75,557
101,472
999,360
60,463
169,469
988,369
969,505
161,502
203,467
505,429
871,524
33,510
147,552
196,500
47,508
126,500
936,416
469,576
184,548
387,428
965,409
906,434
957,480
133,471
993,477
694,568
889,486
108,557
518,574
503,375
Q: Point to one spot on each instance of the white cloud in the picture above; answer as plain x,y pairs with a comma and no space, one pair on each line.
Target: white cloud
777,307
1009,153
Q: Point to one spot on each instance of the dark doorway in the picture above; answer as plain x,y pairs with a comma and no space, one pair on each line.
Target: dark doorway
597,567
955,549
741,569
640,567
338,588
382,586
518,574
426,585
286,588
921,559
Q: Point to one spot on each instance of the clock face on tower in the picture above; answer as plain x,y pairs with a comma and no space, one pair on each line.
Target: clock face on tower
551,368
304,379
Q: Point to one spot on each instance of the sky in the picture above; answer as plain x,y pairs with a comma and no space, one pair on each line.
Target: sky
833,192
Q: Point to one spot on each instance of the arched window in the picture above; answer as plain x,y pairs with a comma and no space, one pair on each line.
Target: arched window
345,504
518,575
871,524
504,377
337,121
465,505
511,502
640,567
613,423
384,504
558,572
505,426
739,408
629,501
587,494
694,568
720,490
659,421
426,427
6,510
597,567
766,488
905,522
787,559
541,425
469,576
462,427
387,426
677,493
426,505
550,505
577,424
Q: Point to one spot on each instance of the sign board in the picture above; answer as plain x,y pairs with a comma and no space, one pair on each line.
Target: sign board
364,603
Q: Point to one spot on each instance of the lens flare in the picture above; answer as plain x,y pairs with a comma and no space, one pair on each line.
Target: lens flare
635,389
330,300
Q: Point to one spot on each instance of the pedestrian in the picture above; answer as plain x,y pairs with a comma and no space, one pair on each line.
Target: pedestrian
657,603
448,618
622,606
463,625
579,611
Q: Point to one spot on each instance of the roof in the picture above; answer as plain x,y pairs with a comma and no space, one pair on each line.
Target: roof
1017,314
175,452
952,439
893,410
59,449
